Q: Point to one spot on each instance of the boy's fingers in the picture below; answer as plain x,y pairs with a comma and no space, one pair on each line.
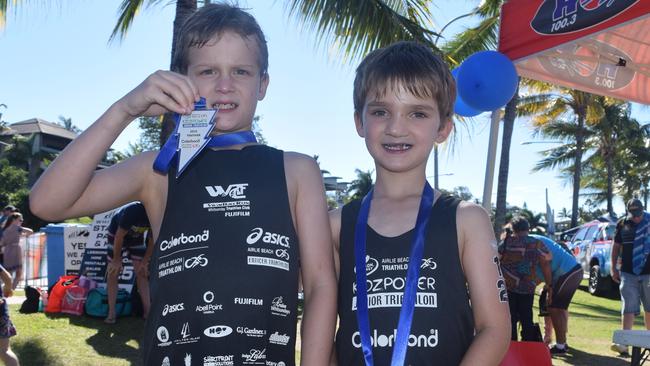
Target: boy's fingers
182,84
169,95
170,104
192,90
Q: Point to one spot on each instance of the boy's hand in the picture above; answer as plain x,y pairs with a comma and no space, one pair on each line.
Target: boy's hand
161,92
7,291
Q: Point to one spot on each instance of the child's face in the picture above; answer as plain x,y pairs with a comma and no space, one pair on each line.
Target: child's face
400,129
227,73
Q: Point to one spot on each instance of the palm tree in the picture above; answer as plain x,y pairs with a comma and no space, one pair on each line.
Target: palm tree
564,214
68,125
23,153
565,106
537,224
3,124
632,163
604,140
484,36
362,185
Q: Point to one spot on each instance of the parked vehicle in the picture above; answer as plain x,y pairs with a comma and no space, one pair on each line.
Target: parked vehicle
565,237
592,247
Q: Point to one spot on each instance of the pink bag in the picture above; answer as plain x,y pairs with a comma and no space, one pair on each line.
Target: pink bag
74,300
87,283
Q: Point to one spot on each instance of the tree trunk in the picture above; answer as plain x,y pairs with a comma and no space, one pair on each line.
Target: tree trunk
577,173
504,163
184,8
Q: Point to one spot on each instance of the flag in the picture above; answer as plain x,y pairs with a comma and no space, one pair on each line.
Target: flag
550,220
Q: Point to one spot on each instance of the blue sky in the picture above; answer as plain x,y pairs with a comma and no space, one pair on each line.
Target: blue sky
56,60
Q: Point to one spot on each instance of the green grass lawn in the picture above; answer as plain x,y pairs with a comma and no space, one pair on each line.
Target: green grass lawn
62,340
69,340
592,321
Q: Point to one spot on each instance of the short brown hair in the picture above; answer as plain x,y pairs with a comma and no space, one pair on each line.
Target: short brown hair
210,21
411,64
519,224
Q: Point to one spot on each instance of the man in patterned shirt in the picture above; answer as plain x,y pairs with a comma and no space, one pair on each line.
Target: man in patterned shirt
520,254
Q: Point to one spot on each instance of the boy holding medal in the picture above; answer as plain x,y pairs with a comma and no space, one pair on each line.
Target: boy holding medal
231,228
409,259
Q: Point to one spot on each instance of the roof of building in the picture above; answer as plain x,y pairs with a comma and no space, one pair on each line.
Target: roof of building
37,125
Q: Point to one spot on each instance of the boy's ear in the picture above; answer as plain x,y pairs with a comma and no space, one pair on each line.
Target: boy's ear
264,83
359,124
444,132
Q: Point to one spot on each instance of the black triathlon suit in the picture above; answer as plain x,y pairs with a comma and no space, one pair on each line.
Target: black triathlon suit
443,325
224,273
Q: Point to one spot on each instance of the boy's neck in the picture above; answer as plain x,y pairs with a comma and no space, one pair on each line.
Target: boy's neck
399,185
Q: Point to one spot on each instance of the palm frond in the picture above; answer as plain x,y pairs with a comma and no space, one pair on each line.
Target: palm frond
561,156
3,13
536,104
556,109
560,129
482,37
595,113
128,10
360,26
538,86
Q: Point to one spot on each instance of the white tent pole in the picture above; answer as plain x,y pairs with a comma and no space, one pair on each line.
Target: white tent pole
491,159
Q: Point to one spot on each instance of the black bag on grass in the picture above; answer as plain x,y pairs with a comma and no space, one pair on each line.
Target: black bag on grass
30,305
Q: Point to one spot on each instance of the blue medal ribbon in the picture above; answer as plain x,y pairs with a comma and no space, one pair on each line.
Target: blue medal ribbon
410,291
169,151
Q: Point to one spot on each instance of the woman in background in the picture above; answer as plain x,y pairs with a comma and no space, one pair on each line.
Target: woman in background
10,244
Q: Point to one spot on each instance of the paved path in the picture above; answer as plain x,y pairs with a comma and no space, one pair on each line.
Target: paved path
16,300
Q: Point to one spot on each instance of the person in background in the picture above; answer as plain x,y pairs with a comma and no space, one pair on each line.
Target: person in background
520,254
566,274
632,243
7,329
6,212
127,235
10,243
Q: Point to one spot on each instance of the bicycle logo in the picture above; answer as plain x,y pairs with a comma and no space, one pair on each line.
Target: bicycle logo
282,253
199,260
428,263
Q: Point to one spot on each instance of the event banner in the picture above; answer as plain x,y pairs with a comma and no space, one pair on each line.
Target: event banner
99,230
74,244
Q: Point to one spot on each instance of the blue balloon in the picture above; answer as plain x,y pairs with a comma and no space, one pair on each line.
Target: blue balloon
460,107
487,80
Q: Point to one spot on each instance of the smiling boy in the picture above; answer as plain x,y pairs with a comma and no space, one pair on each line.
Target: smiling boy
409,258
231,229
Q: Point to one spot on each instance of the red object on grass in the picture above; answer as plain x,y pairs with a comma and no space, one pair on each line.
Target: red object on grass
527,354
